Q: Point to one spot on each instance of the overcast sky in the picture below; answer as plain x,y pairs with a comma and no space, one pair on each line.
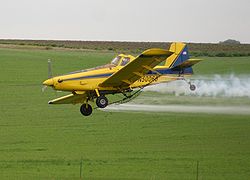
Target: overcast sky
126,20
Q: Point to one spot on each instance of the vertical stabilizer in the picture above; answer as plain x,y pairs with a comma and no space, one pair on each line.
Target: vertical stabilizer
179,56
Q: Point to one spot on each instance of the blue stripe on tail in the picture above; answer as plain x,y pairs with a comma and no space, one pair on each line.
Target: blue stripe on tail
183,56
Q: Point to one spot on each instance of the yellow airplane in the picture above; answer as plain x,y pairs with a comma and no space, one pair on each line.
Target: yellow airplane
125,74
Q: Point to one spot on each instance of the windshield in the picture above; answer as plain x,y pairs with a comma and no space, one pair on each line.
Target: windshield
125,61
116,60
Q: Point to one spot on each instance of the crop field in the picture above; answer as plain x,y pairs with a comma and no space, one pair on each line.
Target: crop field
41,141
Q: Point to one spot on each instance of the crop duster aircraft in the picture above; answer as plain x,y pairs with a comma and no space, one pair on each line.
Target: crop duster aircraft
125,74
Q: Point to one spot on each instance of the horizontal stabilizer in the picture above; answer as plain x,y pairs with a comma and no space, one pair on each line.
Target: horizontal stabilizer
187,64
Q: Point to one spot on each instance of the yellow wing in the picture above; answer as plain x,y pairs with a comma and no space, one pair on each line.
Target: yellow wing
137,68
70,99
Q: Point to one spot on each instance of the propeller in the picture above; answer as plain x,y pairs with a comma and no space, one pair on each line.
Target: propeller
44,88
50,75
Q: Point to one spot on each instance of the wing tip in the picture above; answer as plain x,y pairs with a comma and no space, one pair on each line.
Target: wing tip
50,102
157,52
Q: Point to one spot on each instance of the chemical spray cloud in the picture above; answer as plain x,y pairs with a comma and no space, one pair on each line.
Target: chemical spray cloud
217,86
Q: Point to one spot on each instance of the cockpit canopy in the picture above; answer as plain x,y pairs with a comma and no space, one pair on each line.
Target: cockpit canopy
116,60
121,60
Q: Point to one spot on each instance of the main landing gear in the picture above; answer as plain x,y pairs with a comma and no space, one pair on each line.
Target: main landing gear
86,108
101,101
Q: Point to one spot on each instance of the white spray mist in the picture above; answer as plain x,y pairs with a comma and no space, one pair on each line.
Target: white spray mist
217,86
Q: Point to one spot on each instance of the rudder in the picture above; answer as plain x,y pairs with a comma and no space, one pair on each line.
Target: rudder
179,56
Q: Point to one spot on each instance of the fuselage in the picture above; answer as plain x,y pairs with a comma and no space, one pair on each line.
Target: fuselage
90,79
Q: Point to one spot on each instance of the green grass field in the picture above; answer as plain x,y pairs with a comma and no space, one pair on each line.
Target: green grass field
41,141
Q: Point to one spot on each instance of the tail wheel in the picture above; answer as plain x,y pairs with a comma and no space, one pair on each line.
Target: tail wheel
86,109
101,101
192,87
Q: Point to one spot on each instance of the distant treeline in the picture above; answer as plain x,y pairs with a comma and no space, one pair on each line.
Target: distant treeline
196,49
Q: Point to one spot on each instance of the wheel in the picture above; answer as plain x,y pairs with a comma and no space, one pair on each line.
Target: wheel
192,87
86,109
101,101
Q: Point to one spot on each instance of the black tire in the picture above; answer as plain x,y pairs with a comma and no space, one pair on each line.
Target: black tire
192,87
101,101
86,109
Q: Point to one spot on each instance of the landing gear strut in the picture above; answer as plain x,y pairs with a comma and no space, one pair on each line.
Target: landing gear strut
101,101
86,109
